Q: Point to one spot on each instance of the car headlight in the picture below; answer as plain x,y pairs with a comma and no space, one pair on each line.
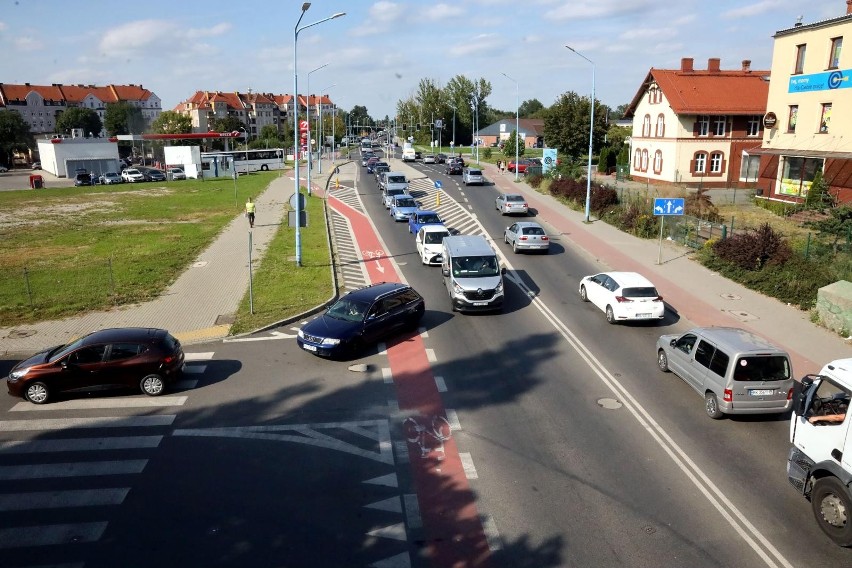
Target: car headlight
457,289
301,334
19,373
499,288
330,341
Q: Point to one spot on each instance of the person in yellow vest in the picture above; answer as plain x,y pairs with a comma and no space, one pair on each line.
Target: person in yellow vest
250,212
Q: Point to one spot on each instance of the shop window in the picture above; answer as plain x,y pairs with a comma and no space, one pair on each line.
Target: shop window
825,118
800,59
798,174
658,162
791,119
834,57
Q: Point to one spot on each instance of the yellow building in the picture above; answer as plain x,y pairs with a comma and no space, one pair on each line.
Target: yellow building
808,120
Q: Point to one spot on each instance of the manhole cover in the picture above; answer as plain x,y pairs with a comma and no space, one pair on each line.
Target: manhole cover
226,319
21,333
741,315
199,264
609,403
731,297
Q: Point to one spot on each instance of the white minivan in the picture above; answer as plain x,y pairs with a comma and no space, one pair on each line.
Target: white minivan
472,274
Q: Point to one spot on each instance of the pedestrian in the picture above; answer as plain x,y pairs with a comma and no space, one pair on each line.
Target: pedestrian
250,207
502,167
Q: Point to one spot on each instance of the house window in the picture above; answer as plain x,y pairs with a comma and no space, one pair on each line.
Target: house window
644,160
798,174
753,128
637,159
791,120
646,125
658,162
716,163
703,123
825,118
719,123
800,59
661,126
834,57
700,163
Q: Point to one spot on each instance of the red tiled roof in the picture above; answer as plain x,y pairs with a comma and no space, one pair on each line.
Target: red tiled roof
76,93
708,92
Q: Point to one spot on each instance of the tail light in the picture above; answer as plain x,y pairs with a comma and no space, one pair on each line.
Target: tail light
522,238
168,359
790,394
622,299
544,238
729,395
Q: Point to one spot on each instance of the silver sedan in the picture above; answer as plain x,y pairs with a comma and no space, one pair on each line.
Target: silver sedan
526,235
511,203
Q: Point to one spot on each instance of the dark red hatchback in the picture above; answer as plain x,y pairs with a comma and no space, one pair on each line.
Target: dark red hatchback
136,357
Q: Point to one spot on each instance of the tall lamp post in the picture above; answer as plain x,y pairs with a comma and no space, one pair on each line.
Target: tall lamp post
308,116
321,136
591,137
296,31
245,139
517,122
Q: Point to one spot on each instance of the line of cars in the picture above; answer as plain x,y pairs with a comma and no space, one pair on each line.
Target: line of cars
127,175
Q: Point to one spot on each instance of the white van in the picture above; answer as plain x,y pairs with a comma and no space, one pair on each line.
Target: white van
472,274
408,154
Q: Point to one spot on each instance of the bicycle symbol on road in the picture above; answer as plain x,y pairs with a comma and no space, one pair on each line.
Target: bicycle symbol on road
371,254
429,437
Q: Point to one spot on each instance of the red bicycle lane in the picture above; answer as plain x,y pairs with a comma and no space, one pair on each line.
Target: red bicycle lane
451,524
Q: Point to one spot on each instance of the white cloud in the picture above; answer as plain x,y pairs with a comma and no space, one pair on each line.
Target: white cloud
482,43
216,30
3,26
138,35
646,33
752,10
28,44
440,12
584,9
386,12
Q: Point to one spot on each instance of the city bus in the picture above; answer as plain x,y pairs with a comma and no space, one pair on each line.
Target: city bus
244,161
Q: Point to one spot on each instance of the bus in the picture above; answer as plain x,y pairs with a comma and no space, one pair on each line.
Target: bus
244,161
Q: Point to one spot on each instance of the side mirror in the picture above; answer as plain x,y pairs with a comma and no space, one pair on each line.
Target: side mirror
802,395
445,271
673,342
503,270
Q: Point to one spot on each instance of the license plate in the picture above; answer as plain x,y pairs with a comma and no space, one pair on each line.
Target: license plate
761,392
309,347
643,315
480,303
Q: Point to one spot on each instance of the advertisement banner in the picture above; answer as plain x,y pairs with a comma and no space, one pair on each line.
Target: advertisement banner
826,81
548,159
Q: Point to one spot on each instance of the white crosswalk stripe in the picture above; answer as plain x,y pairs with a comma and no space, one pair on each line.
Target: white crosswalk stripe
146,402
80,469
79,444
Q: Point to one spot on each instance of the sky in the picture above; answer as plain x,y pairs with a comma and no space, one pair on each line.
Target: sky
379,51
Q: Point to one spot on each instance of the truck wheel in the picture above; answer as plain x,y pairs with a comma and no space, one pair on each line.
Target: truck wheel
832,507
662,361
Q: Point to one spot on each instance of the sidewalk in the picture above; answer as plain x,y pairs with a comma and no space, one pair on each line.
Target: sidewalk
200,304
694,292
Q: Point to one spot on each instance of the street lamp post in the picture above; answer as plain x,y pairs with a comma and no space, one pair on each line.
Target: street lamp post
591,137
321,135
517,122
245,140
308,117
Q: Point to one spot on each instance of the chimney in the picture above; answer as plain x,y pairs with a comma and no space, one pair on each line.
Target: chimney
686,63
713,64
747,64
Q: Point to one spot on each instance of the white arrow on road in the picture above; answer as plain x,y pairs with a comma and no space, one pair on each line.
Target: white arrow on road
272,335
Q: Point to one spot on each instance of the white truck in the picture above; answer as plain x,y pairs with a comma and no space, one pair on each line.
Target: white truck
408,153
819,464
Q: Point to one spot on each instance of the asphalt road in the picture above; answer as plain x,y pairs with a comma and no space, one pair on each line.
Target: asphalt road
579,452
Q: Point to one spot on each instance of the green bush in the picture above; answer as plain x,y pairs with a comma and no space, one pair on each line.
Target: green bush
534,180
780,208
633,217
755,249
486,153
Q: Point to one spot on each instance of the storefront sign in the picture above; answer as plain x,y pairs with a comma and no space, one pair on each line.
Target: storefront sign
770,120
826,81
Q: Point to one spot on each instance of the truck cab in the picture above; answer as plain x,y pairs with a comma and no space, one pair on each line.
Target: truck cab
819,463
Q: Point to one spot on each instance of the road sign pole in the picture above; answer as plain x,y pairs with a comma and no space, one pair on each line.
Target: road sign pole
660,253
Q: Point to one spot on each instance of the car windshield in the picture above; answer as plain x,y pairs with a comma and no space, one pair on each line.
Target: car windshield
533,231
474,173
514,198
65,350
475,266
347,309
395,191
430,218
396,179
435,237
406,202
771,368
643,292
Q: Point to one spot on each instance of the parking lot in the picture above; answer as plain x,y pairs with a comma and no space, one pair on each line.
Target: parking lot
20,179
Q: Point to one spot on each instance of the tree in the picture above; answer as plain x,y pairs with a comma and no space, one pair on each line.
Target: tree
603,160
227,124
566,124
123,118
509,146
15,135
78,117
836,227
359,116
171,122
818,196
616,135
617,113
530,108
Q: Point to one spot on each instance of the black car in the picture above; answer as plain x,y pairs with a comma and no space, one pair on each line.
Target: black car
441,158
147,359
154,175
454,167
83,179
418,156
361,318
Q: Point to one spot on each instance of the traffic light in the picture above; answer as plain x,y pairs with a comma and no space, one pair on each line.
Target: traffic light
418,127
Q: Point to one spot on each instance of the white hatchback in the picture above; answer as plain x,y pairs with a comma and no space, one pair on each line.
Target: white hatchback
429,240
623,296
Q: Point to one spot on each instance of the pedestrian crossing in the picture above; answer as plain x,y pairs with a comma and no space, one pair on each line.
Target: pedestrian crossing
41,491
456,216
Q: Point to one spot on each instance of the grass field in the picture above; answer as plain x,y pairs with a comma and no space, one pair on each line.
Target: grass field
71,250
